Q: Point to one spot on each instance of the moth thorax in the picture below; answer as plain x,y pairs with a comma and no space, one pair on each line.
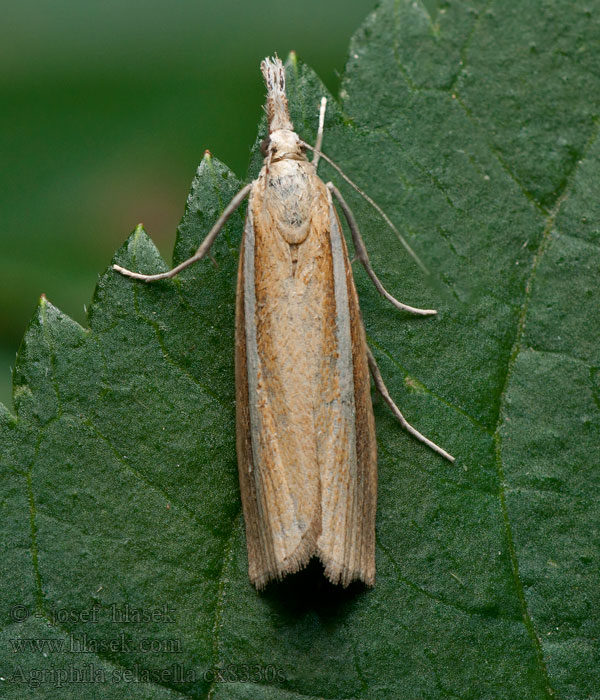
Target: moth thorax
289,200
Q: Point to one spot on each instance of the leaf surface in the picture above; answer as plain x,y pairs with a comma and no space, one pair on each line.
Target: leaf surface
475,127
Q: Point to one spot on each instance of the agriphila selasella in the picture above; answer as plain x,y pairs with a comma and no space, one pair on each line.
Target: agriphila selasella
305,427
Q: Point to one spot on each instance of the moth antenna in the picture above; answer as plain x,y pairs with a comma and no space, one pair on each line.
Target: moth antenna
277,104
374,204
319,142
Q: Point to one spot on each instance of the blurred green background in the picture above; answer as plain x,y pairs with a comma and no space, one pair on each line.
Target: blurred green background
106,108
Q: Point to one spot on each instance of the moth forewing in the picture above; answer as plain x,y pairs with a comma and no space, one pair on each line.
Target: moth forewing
347,541
302,365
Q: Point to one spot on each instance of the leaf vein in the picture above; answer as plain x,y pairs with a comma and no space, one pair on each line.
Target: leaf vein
495,151
442,601
467,43
142,477
431,393
516,349
220,601
34,543
465,486
168,356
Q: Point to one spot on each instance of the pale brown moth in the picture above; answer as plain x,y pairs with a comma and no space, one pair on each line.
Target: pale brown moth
305,429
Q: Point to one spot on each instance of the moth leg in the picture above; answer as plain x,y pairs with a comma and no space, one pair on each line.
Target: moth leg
382,389
204,247
361,254
319,142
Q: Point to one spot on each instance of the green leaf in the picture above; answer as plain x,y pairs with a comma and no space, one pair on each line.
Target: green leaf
475,127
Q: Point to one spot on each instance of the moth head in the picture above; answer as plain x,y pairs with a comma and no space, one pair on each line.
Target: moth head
281,144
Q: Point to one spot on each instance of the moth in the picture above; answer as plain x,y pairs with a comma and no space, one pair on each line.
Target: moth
307,456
